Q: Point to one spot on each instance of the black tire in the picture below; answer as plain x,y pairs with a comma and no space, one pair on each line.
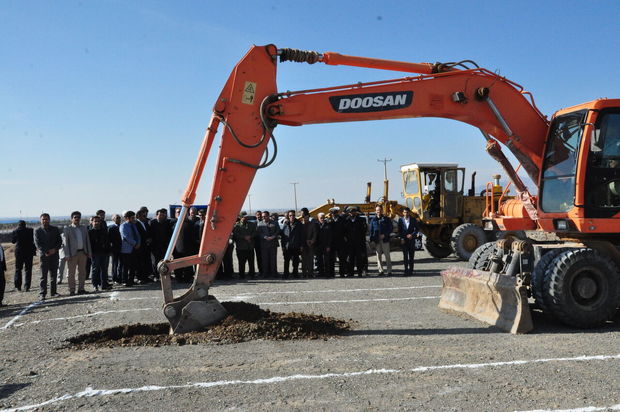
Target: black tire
477,255
582,288
417,242
485,256
466,238
437,250
538,277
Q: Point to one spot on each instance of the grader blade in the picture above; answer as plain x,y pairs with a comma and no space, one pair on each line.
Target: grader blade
489,297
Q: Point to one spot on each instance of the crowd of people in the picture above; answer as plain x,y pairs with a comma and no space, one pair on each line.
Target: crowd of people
130,247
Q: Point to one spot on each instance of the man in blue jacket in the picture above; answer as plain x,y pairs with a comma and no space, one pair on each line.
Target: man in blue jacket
130,244
407,231
380,231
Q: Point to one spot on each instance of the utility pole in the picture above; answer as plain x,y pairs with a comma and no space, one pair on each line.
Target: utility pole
250,202
385,179
295,193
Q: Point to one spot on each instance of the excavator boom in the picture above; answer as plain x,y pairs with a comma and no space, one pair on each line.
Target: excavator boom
249,107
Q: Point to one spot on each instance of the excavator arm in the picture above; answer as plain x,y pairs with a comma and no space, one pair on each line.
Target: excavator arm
249,108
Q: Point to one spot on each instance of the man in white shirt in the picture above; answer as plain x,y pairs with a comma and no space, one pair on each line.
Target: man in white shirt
77,251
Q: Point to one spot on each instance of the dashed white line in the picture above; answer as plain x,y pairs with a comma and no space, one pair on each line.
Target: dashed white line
102,312
22,313
584,409
89,392
348,301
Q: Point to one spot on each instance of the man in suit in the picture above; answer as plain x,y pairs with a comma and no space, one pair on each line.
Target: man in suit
161,232
185,247
323,245
77,251
143,255
48,241
2,270
268,232
310,234
355,232
292,244
114,236
23,239
244,233
407,231
338,247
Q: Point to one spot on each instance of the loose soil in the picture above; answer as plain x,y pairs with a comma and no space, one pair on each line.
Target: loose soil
245,322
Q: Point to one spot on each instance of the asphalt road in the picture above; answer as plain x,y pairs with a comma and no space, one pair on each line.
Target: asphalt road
402,354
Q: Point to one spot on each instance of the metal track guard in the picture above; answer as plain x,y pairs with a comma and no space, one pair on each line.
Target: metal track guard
492,298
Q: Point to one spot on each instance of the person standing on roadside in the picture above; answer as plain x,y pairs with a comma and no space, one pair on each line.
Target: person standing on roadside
380,231
100,246
310,233
23,239
114,237
339,242
355,232
161,232
2,271
257,243
323,245
407,231
268,232
130,244
244,233
77,251
48,242
292,244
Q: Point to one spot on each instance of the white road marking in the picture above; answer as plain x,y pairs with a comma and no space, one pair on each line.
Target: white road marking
89,392
348,301
584,409
22,313
282,292
102,312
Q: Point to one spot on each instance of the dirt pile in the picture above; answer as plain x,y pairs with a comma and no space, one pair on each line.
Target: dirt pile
244,322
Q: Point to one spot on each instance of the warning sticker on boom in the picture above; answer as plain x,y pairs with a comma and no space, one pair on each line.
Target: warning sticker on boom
249,90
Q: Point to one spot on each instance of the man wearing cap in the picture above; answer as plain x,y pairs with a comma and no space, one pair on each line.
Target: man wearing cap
338,243
355,232
244,233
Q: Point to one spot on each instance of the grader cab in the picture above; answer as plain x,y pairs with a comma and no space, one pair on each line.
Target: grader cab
452,221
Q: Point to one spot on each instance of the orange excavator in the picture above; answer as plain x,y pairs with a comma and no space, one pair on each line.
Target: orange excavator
573,158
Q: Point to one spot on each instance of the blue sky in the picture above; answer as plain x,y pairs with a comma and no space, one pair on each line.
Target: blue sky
103,104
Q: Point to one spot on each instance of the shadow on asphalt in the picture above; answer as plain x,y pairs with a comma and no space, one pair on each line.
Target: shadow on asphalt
546,324
425,331
10,388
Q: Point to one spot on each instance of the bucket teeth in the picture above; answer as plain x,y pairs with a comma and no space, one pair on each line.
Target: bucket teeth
492,298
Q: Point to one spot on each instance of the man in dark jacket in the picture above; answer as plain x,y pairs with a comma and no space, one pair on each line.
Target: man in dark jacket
244,233
311,233
355,232
100,247
143,255
161,232
292,243
339,243
48,242
184,247
2,270
407,231
114,237
323,245
23,238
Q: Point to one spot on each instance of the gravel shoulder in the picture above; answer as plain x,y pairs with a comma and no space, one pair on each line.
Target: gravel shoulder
401,353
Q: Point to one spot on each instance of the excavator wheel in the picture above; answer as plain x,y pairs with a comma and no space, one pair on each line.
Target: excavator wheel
466,238
538,277
480,256
437,250
583,288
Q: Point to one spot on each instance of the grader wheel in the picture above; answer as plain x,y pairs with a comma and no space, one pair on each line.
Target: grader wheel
466,238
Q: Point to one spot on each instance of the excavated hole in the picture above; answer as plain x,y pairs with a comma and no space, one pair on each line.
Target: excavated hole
245,322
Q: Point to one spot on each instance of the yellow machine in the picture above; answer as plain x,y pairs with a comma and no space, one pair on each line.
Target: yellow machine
451,221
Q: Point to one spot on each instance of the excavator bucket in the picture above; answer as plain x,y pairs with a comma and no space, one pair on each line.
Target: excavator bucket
489,297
